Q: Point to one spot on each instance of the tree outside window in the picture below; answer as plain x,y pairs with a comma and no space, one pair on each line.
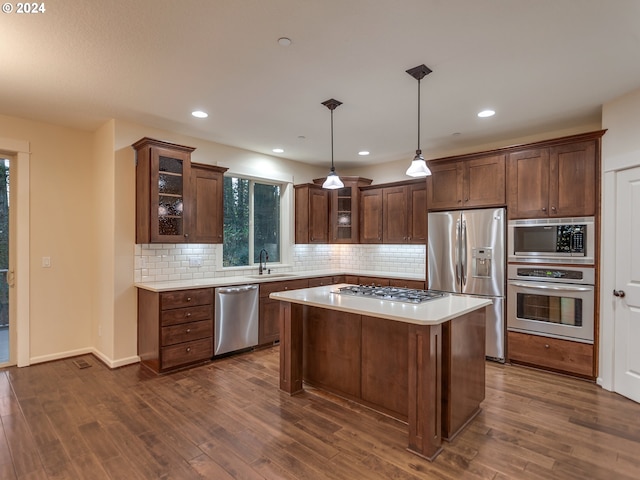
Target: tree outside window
251,221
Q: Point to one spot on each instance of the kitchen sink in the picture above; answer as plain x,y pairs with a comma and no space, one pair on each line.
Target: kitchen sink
271,275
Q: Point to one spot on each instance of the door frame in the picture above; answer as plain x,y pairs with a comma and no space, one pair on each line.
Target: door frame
19,150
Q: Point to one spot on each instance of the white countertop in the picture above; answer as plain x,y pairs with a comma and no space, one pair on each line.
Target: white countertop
432,312
272,277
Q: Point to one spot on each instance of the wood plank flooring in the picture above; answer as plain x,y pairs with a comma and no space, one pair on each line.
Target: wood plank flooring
228,420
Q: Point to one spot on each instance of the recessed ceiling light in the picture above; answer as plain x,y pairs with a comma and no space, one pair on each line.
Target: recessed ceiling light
277,150
284,41
363,153
486,113
199,114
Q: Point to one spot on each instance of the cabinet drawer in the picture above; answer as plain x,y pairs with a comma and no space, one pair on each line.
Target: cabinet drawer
186,353
321,281
183,315
398,282
186,332
553,353
267,288
186,298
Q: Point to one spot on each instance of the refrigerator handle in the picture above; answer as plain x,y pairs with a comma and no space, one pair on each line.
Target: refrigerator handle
463,253
457,259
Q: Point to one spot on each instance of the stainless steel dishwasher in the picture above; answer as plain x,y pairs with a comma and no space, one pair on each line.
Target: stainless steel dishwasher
236,319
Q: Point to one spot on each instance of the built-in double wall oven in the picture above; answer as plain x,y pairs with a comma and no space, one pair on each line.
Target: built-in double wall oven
550,290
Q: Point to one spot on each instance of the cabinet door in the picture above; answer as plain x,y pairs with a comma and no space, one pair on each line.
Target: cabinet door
417,215
528,180
269,326
445,186
484,181
170,195
371,216
394,215
318,216
207,209
572,181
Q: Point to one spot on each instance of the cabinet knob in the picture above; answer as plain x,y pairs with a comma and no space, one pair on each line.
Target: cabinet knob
553,209
186,235
188,299
546,345
188,330
466,199
188,349
544,209
188,315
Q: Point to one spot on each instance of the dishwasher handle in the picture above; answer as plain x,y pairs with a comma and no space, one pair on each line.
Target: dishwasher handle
240,289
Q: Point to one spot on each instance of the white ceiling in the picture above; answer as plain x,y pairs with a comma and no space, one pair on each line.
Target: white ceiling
543,65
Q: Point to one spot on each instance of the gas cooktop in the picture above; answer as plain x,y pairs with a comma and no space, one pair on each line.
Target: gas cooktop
396,294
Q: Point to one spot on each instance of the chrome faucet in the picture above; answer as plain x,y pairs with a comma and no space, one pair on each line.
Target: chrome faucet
261,269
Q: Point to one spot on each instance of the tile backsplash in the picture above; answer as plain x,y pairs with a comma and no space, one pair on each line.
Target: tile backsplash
162,262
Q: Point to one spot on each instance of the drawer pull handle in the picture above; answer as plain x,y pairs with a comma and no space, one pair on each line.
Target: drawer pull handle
188,330
188,349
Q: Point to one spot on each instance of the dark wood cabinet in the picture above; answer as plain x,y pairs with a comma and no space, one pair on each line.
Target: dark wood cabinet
175,329
344,208
163,191
177,201
207,218
269,320
472,182
555,354
394,214
557,181
311,214
371,216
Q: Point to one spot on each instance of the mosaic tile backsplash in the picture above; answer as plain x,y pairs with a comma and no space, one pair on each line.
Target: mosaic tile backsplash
162,262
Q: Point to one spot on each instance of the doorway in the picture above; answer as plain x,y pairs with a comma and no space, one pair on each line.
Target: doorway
5,274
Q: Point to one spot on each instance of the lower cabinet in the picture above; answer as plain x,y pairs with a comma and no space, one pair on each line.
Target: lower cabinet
269,323
175,329
563,356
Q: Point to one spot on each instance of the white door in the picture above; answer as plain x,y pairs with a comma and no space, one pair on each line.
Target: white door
627,287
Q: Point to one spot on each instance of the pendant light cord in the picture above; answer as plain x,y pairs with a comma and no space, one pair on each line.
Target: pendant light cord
332,167
418,115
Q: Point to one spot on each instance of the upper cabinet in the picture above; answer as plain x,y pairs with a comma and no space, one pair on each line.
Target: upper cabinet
176,201
394,214
162,191
472,182
312,214
556,181
344,204
207,218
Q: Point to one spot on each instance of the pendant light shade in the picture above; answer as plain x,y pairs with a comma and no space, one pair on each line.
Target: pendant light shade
333,180
418,167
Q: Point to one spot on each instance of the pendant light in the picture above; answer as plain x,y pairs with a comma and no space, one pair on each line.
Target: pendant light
418,167
333,180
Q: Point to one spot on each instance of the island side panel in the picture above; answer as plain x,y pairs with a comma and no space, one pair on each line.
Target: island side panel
290,348
332,350
385,371
425,391
463,371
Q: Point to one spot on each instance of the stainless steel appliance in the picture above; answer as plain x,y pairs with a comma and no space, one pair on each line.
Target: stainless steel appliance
466,255
236,318
551,301
552,240
397,294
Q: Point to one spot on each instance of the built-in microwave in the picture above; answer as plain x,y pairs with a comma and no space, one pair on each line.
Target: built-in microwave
551,240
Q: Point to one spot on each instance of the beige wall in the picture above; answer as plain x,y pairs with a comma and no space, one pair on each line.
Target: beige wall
61,212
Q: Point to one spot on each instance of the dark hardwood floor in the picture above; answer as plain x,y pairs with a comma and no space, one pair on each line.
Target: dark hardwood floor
228,420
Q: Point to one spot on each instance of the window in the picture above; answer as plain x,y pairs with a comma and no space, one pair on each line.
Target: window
251,221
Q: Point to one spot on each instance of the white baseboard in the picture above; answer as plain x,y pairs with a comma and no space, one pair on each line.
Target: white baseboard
121,362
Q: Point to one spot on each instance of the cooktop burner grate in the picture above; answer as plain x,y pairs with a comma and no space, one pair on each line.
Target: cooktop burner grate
397,294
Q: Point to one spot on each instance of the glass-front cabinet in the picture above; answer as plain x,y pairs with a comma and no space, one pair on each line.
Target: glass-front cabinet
162,185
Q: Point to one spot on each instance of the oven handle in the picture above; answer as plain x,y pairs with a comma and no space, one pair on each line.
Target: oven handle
564,288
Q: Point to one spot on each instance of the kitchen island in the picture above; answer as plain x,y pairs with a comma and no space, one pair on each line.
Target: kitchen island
420,363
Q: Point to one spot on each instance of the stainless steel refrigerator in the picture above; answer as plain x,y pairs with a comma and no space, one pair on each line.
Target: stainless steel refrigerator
466,254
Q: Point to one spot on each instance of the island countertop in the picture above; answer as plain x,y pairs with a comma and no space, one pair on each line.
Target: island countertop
432,312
